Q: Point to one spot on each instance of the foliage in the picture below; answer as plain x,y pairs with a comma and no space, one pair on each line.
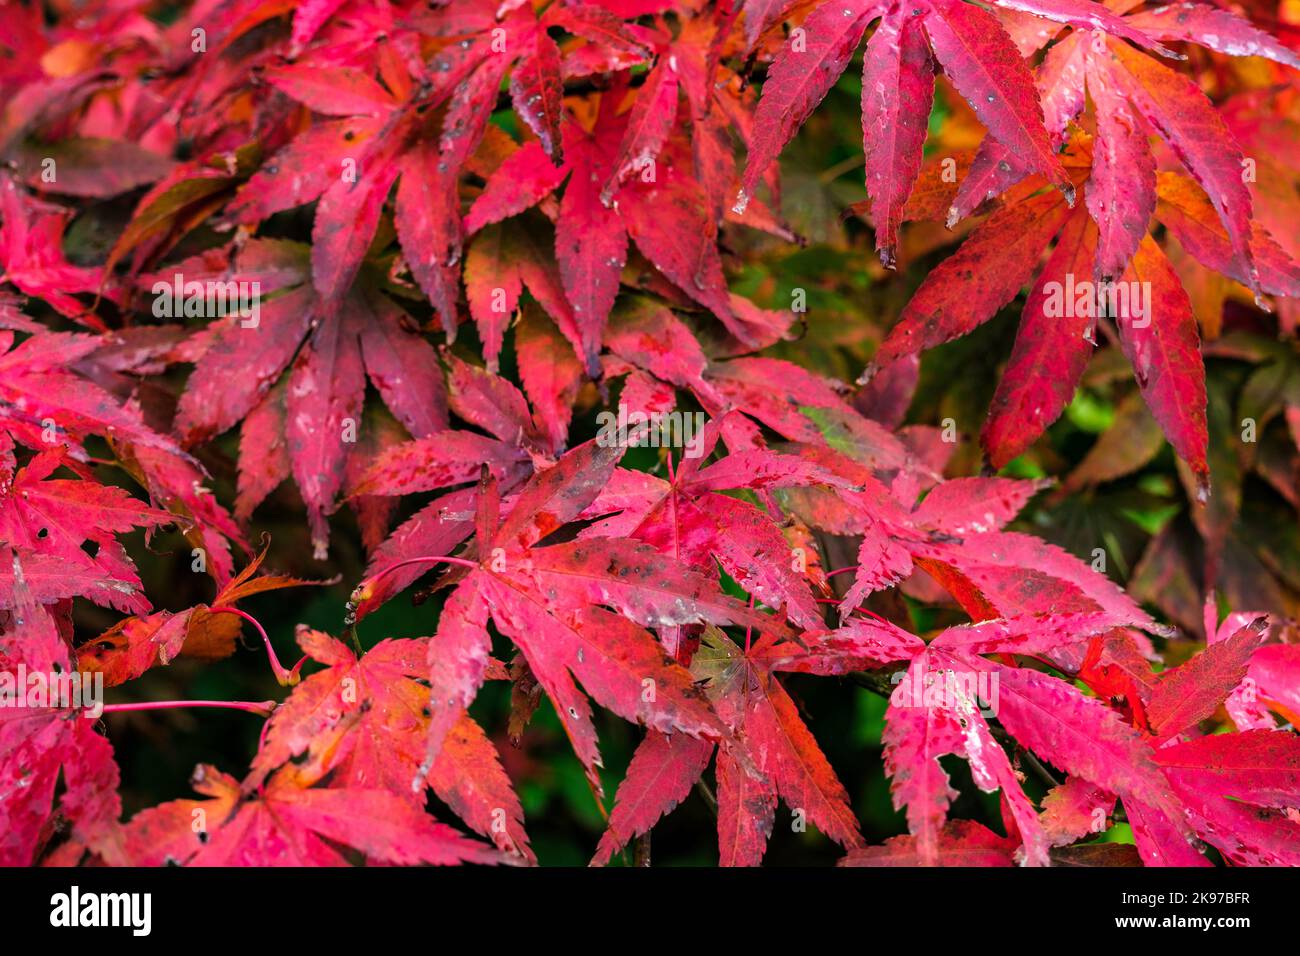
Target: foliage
514,299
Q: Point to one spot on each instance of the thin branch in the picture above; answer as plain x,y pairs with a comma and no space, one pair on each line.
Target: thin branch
1038,768
703,790
262,708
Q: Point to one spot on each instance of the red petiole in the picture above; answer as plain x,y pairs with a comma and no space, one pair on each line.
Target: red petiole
287,678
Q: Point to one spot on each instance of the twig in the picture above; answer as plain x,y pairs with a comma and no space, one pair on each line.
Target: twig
1038,768
262,708
703,790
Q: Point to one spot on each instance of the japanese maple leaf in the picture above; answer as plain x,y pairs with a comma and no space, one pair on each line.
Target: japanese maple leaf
547,600
333,350
1234,791
752,700
852,455
363,721
42,396
626,176
976,54
180,485
1269,681
31,255
802,406
52,519
288,822
1194,690
1083,737
928,717
41,744
1008,574
688,519
773,755
684,518
174,480
1135,96
591,241
520,443
930,714
955,535
382,136
502,261
38,746
1238,789
1051,349
618,662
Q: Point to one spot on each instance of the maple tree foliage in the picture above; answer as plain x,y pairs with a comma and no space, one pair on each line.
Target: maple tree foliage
356,288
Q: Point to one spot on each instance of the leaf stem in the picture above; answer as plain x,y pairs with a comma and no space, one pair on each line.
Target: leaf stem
422,559
832,173
1037,767
883,620
287,678
350,632
263,708
366,588
855,567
